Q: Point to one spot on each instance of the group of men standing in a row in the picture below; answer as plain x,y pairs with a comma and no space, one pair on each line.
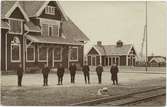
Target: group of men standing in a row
72,68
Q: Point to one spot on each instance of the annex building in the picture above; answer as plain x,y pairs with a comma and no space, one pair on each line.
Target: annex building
121,54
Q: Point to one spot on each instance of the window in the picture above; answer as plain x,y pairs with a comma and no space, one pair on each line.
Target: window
50,30
30,54
74,54
15,26
55,30
15,53
50,10
42,54
58,54
44,29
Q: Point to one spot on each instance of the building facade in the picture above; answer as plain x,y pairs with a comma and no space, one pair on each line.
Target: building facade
122,55
34,33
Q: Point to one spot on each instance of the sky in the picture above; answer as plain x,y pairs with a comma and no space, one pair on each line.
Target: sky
110,21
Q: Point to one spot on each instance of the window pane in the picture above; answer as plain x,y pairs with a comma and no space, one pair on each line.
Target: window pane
50,31
73,55
44,29
15,26
57,53
55,30
15,52
30,53
43,53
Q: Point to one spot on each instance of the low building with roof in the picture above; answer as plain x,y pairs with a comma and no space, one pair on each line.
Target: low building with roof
157,61
121,54
34,33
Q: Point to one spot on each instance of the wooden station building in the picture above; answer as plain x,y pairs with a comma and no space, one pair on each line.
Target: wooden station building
34,33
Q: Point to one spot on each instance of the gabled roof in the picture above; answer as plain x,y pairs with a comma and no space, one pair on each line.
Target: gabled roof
113,49
157,59
71,31
7,7
35,8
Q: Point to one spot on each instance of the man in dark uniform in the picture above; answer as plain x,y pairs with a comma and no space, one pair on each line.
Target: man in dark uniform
72,69
99,70
85,70
60,74
114,70
45,72
19,74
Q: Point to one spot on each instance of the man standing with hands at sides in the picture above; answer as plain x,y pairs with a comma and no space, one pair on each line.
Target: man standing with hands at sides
86,70
99,70
60,74
19,75
114,71
45,72
72,69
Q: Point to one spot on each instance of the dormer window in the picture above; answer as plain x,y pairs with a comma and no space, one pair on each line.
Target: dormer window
50,10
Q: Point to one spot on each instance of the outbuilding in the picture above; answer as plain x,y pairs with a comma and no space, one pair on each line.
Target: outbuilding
121,54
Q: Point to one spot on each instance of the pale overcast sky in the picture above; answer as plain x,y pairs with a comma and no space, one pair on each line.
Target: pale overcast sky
112,21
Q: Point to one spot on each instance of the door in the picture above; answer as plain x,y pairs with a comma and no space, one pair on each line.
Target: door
93,60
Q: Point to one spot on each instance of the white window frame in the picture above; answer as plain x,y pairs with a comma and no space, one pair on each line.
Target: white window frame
49,22
50,25
39,60
10,26
19,60
48,8
61,53
77,54
27,60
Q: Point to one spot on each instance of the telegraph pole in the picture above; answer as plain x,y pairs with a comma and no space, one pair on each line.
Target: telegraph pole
146,41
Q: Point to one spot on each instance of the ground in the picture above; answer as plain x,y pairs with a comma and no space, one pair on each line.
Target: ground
33,93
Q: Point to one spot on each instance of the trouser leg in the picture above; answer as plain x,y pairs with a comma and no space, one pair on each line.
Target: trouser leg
19,80
43,80
88,78
117,80
62,80
74,78
113,82
85,77
58,80
71,77
99,78
46,80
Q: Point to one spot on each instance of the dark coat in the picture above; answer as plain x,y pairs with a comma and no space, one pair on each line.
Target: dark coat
85,69
99,69
60,71
114,70
45,71
20,71
72,69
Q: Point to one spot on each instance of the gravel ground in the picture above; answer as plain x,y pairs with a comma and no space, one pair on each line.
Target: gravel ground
33,93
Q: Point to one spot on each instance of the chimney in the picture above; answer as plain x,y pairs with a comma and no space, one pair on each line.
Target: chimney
99,43
119,43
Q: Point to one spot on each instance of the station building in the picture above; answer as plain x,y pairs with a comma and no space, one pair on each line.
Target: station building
34,33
